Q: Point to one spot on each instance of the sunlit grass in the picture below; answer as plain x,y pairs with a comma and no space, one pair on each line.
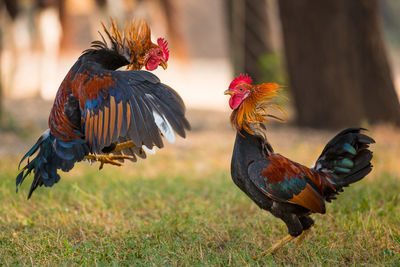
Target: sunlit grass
181,208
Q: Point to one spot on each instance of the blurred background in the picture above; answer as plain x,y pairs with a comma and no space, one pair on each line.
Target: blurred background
338,60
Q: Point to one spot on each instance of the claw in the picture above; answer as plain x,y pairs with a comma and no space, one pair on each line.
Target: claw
110,159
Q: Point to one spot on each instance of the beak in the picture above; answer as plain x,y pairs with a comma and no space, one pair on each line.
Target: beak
163,64
228,92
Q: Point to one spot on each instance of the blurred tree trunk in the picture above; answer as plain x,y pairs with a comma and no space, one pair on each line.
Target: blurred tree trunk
250,33
12,8
174,26
1,80
337,64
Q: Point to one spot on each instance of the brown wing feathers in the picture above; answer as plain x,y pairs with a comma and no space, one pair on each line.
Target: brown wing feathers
112,117
120,116
133,105
100,126
106,120
108,124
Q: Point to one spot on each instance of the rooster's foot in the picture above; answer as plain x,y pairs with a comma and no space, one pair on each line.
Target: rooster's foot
301,237
109,159
276,246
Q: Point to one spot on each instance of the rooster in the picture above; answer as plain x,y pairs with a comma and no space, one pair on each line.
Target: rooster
289,190
103,114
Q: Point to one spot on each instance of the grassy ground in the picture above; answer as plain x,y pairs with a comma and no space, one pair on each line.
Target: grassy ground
180,207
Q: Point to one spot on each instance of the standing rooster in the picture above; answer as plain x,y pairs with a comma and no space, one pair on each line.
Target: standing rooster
100,110
289,190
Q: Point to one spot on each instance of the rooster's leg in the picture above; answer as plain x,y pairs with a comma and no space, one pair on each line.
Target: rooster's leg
276,246
301,237
110,159
122,146
283,242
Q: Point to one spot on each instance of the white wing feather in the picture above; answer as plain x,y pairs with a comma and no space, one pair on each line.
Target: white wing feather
148,150
164,126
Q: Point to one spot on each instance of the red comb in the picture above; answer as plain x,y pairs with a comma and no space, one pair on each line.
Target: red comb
164,46
242,78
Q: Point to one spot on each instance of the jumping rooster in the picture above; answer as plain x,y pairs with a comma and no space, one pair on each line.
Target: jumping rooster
99,110
289,190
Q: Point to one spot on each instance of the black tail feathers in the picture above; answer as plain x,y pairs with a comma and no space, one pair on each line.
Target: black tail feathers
38,164
53,155
346,158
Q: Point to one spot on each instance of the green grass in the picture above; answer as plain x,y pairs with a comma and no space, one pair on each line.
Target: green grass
121,216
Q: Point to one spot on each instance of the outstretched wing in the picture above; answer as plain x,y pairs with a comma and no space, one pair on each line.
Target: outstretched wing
284,180
131,105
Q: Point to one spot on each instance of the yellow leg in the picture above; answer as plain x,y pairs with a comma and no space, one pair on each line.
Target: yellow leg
110,159
301,237
122,146
276,246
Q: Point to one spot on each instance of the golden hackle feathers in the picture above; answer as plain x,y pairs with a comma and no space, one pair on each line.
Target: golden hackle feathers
257,108
133,41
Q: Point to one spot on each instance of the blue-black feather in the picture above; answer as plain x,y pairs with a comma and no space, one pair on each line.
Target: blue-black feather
53,154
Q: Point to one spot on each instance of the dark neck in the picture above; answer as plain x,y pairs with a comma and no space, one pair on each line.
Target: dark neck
254,140
107,58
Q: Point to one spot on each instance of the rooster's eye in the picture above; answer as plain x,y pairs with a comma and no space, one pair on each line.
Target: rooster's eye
241,89
159,53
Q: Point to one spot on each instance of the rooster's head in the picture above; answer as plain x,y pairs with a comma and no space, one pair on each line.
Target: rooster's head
157,56
252,104
135,45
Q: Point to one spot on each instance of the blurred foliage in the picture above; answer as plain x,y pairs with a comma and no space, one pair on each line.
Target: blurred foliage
272,67
10,125
391,21
273,70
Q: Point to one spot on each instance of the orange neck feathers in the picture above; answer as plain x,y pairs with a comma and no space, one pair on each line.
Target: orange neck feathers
256,108
135,39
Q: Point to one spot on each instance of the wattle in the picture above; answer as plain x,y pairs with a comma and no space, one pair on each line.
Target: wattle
152,64
235,101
